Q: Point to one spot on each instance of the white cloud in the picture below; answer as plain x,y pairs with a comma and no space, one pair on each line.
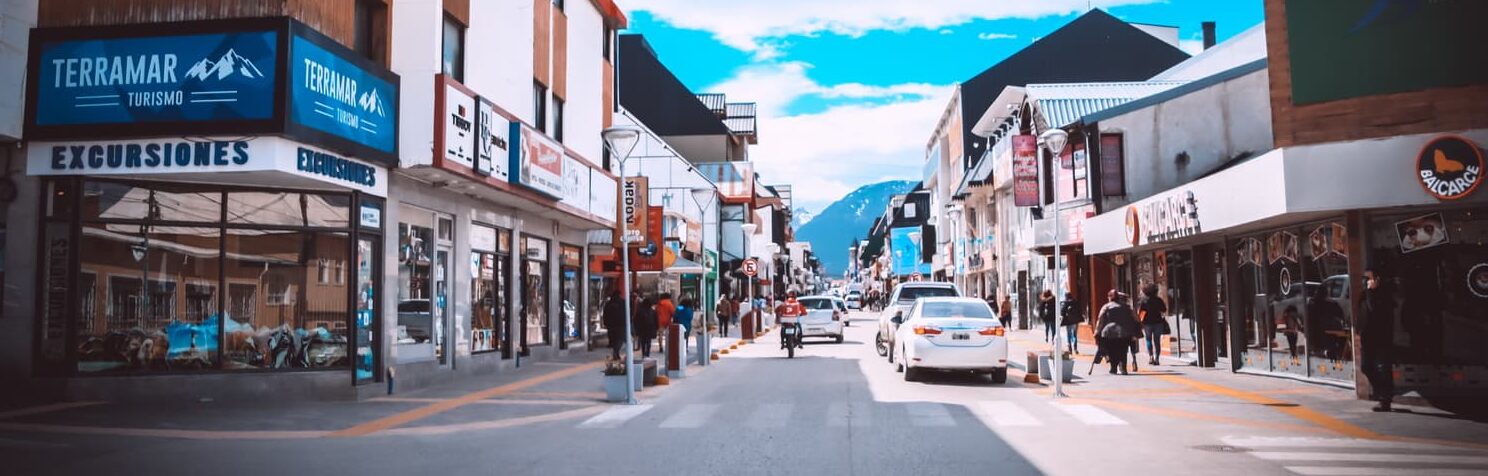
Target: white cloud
996,36
827,154
747,24
946,31
1192,47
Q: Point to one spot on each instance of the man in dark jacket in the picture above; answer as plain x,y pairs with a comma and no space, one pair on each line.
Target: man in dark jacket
614,322
1378,340
1115,327
643,324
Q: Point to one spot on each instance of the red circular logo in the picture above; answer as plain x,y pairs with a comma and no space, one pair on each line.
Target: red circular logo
1133,226
1450,167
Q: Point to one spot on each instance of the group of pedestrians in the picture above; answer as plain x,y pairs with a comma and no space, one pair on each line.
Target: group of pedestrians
651,319
1119,328
1071,315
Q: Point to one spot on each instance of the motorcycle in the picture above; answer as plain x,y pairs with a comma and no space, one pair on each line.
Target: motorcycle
792,336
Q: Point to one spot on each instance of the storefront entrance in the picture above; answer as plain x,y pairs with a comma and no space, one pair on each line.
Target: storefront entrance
1292,296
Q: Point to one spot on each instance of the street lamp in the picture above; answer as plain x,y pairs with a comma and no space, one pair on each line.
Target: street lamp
1054,140
621,140
704,197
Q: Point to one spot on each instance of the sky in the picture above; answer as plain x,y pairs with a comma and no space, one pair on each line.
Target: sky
850,90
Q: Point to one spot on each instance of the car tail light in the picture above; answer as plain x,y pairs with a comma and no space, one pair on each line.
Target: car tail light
992,331
923,330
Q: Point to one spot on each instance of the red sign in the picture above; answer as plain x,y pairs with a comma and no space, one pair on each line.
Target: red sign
1025,171
751,267
1112,175
647,256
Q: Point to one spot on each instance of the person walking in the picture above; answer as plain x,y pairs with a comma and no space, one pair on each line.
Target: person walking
1378,341
614,322
1113,330
724,303
1046,315
1152,311
1005,312
644,323
665,311
684,316
1071,315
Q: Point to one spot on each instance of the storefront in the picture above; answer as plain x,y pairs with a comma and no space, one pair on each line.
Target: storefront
211,217
1272,275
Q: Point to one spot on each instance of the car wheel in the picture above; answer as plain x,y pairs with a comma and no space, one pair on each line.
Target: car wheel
878,345
999,375
911,374
839,338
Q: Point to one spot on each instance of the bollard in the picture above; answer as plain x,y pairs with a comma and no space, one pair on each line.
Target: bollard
747,328
1032,375
676,353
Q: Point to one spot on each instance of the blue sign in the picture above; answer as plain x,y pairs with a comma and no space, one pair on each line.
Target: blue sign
212,77
333,95
905,246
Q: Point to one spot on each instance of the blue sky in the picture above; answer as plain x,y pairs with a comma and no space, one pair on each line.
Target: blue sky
850,89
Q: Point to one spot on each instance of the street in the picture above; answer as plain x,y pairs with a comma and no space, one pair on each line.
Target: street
834,409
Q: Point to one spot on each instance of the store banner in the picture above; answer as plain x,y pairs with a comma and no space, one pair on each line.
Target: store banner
649,254
459,126
575,183
492,137
1025,171
331,93
537,161
603,193
634,198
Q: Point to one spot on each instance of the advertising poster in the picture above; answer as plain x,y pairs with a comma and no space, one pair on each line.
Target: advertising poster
1422,232
634,199
647,255
538,162
1025,171
905,244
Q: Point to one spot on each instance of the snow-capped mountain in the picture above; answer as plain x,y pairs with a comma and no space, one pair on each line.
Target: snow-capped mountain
230,63
800,217
834,229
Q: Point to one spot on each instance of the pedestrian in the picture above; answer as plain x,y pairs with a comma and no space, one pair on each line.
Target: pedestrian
665,311
1071,314
724,314
1152,312
614,322
1005,312
1046,315
643,324
684,316
1378,341
1113,330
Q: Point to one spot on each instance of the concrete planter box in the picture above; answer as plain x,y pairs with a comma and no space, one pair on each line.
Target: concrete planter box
1046,366
614,386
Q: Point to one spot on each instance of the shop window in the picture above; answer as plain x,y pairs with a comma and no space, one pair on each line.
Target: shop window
370,20
1435,266
288,209
534,310
162,202
275,320
1328,329
453,63
569,289
422,287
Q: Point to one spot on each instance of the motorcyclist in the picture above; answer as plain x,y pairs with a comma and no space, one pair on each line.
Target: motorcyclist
789,313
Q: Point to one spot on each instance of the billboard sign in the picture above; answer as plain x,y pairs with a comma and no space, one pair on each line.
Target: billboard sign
905,244
1025,171
536,161
332,94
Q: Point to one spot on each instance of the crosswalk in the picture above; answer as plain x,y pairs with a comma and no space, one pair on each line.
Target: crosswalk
857,414
1315,456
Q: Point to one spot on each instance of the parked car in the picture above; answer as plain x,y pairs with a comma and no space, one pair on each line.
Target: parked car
854,299
823,318
951,334
899,302
842,308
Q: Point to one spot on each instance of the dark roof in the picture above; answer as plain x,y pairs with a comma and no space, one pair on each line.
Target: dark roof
656,97
1094,47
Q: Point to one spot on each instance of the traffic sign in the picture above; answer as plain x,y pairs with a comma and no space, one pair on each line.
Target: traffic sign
751,267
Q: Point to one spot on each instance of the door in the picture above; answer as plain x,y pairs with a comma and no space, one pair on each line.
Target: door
368,259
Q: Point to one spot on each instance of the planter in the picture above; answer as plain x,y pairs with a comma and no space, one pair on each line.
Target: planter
614,386
1046,366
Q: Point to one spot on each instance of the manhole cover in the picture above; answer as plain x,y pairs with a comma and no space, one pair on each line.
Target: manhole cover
1221,448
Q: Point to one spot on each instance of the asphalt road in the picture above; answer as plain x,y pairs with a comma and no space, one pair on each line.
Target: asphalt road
835,409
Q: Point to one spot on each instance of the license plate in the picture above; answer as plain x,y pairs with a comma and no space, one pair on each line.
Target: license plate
790,331
814,329
960,336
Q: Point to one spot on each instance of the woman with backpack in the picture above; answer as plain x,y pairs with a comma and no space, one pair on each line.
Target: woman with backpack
1046,315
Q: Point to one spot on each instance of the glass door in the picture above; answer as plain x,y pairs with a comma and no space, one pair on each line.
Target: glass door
367,258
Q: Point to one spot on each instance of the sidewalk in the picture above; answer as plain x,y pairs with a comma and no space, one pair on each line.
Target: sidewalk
1185,393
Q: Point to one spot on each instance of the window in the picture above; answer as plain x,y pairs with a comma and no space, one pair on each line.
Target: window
423,277
558,119
964,310
540,106
454,49
909,210
558,4
370,39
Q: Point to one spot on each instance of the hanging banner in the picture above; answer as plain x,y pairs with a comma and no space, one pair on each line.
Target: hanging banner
1112,177
1025,171
647,255
633,202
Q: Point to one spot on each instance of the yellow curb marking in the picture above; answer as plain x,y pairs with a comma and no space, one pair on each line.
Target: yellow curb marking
496,424
1187,415
55,407
400,419
1294,410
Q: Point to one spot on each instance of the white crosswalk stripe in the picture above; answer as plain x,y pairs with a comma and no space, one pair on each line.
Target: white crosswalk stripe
616,416
1090,414
930,415
771,415
691,416
1005,414
1312,456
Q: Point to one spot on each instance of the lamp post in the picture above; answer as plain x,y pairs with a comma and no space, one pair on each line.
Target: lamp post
704,197
1054,140
621,140
748,229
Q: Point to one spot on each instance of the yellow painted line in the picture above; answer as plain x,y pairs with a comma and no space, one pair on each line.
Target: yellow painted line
1292,409
1132,392
404,418
496,424
499,401
37,410
1187,415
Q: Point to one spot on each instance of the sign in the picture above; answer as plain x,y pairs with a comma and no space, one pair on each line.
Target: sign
694,241
905,248
157,79
330,93
735,180
575,183
459,126
1112,166
492,136
265,157
649,254
1025,171
537,161
1477,280
603,192
633,202
370,217
751,267
571,256
1169,218
1450,167
1133,226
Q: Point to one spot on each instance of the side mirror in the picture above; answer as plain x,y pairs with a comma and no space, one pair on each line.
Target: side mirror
898,318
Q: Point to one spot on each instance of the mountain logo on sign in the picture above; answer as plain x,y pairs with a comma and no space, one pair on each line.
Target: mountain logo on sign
371,102
229,64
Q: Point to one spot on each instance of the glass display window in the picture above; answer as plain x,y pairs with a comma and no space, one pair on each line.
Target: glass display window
534,303
488,290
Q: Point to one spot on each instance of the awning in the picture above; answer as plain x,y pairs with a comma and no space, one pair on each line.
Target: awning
978,175
686,266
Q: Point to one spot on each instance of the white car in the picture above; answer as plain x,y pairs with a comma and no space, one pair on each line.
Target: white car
854,300
904,296
822,319
842,308
955,334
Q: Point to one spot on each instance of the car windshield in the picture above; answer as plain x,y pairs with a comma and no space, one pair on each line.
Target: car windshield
911,294
819,304
967,310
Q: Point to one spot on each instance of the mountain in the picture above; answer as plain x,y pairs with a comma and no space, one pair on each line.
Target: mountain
833,230
800,217
230,62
